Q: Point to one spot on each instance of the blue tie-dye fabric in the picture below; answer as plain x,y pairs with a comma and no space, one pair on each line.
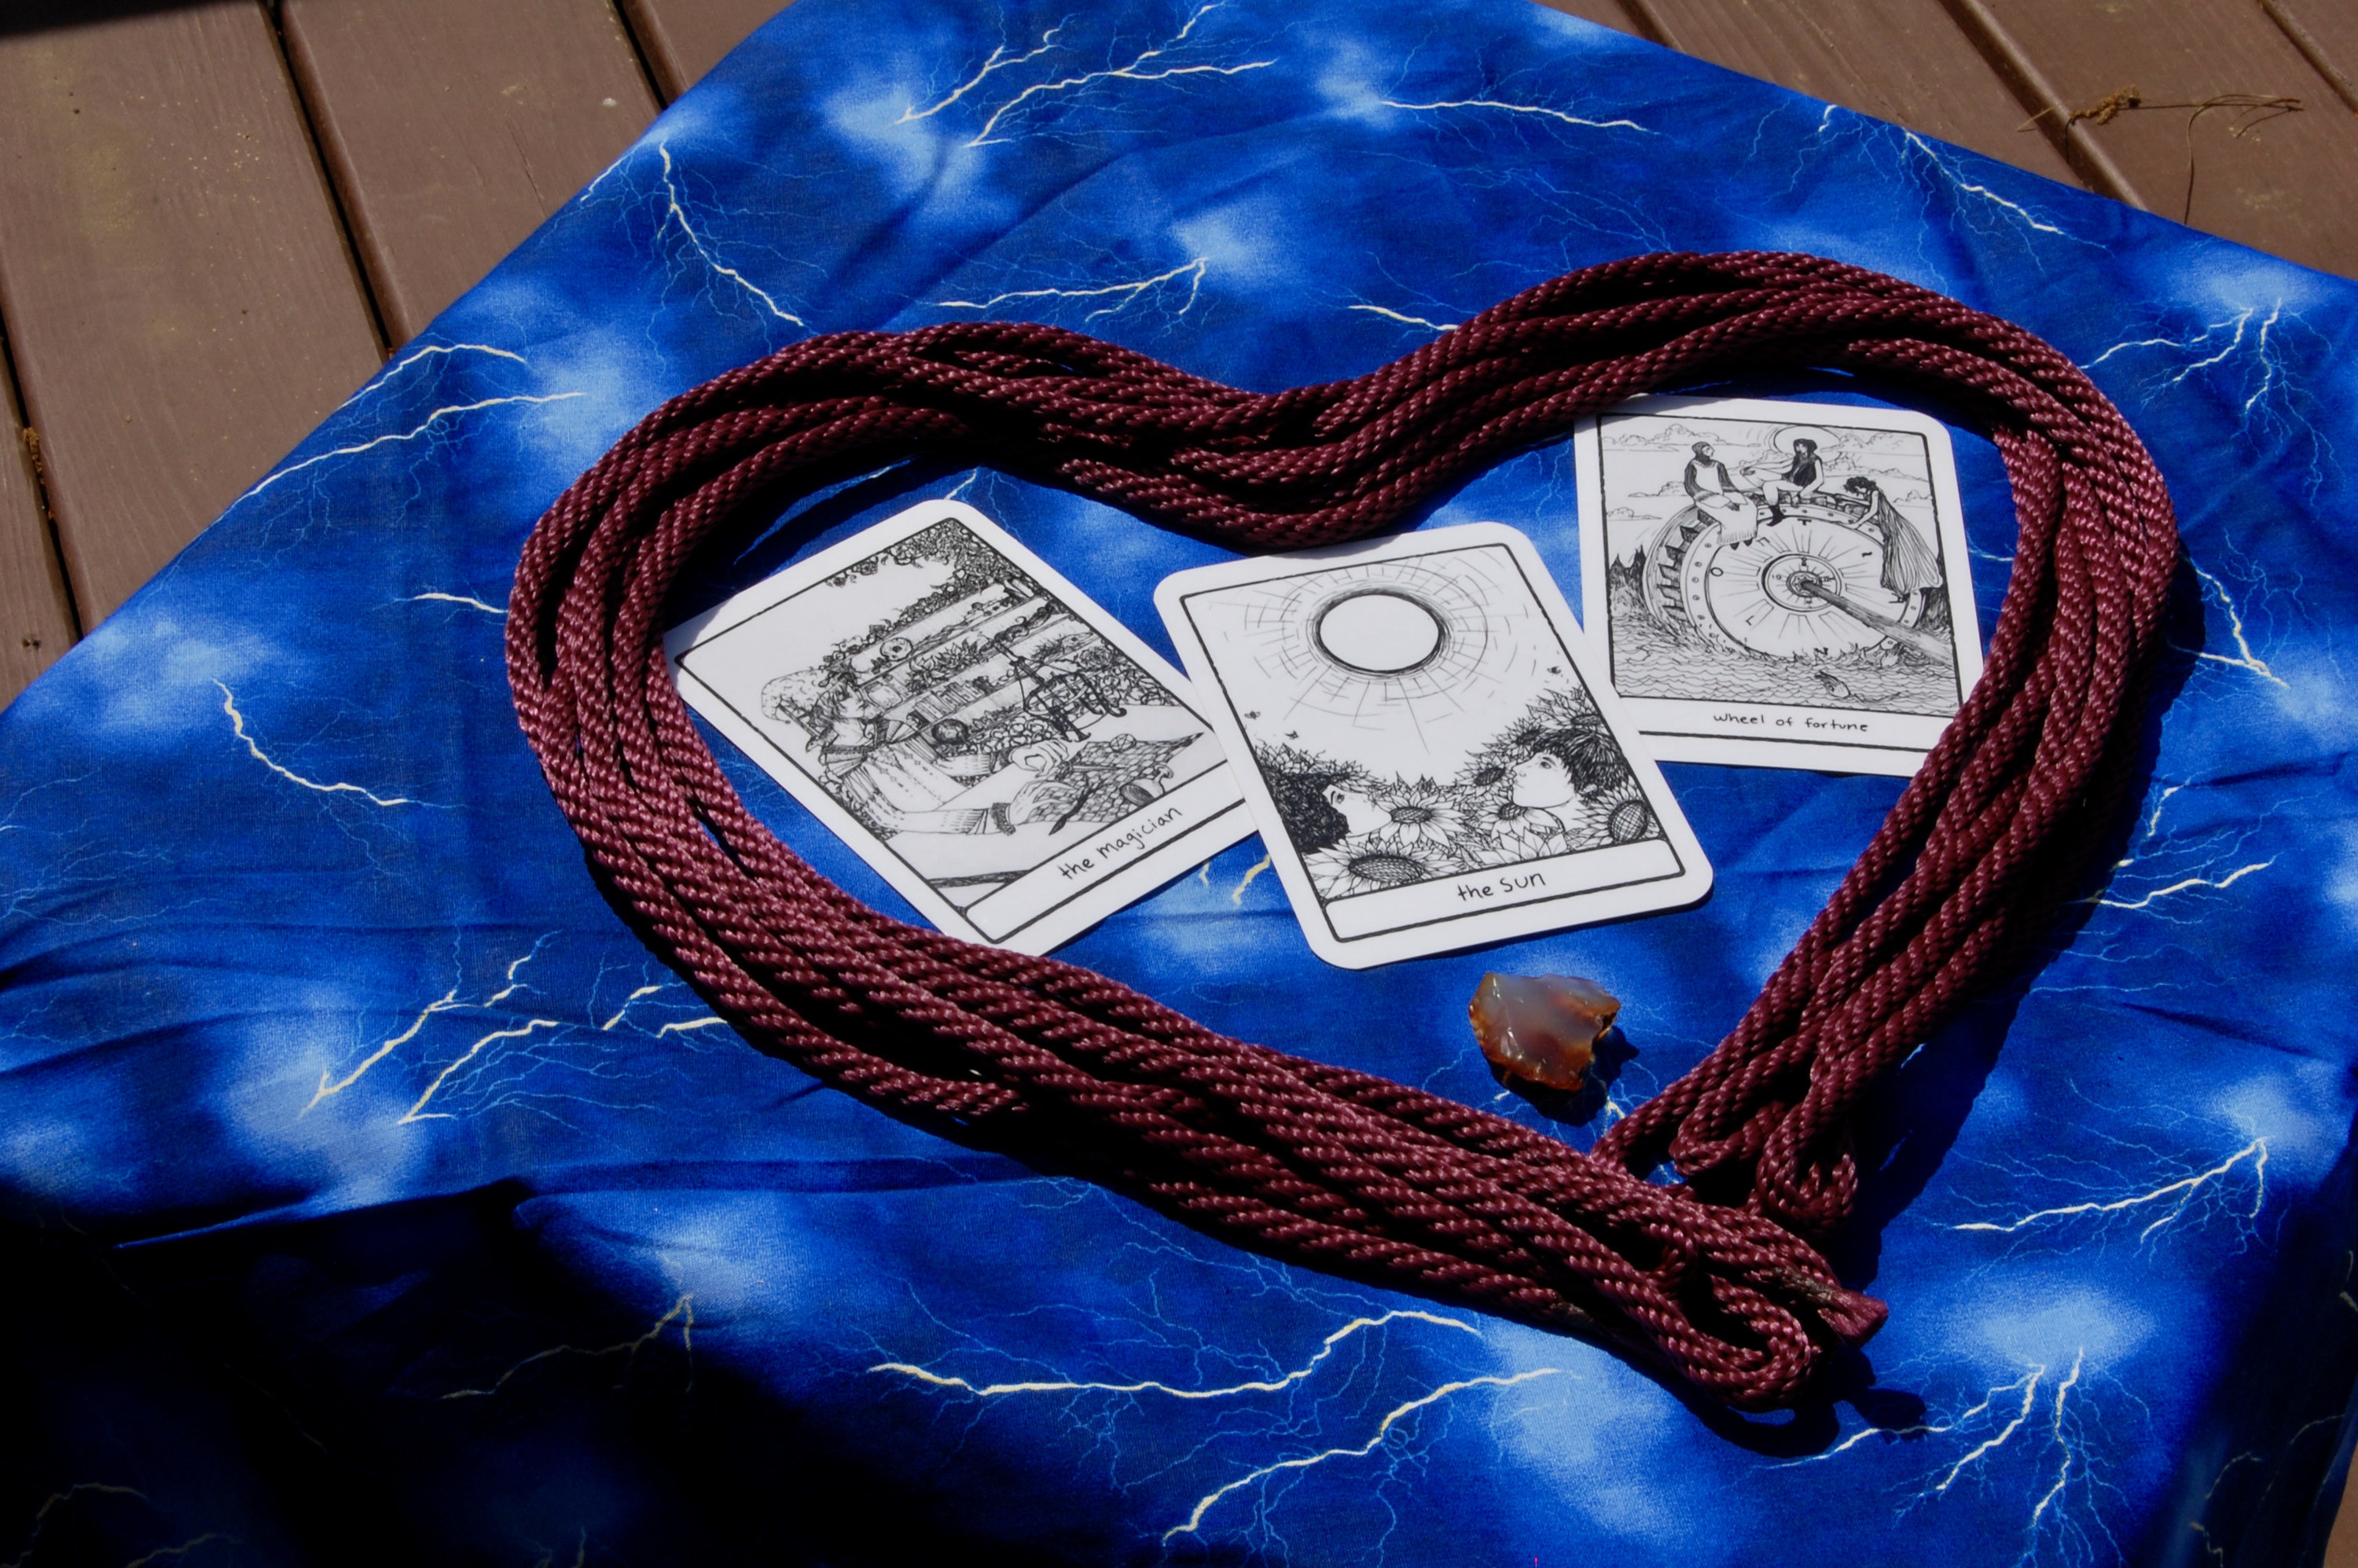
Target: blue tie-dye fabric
378,1197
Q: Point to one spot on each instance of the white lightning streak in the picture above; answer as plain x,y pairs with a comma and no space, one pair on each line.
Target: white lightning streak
57,1499
2153,821
1127,74
2063,1476
643,991
1861,1435
1984,191
451,412
2249,660
671,195
590,190
180,1551
420,1113
1968,187
996,63
690,1025
513,985
1326,1349
2256,1150
1523,109
2138,343
1237,897
1129,291
470,601
384,378
684,1307
237,726
2268,366
2232,344
407,360
2030,1396
447,1000
1412,320
2230,880
1383,1429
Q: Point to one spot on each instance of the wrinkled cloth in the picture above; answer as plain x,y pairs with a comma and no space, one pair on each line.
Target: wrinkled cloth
374,1194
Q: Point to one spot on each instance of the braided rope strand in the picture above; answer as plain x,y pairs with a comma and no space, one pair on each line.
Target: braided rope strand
1715,1278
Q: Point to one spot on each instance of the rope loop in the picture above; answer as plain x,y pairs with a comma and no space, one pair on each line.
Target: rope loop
1714,1278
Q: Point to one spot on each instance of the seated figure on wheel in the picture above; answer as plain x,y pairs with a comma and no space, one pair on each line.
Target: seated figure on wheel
1803,476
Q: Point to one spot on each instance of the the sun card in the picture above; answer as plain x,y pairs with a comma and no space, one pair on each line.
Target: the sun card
1009,757
1431,759
1778,584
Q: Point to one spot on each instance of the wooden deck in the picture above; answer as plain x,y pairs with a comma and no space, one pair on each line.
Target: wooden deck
217,217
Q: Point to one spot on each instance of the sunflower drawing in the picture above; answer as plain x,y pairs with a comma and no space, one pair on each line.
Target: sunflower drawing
1423,821
1365,865
1513,834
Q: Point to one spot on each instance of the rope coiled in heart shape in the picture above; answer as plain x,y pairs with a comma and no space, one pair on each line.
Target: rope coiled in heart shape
1715,1275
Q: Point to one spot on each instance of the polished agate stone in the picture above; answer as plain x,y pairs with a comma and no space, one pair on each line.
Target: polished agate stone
1541,1027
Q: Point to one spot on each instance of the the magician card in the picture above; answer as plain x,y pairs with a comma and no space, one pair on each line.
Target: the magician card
1432,761
1778,584
1012,759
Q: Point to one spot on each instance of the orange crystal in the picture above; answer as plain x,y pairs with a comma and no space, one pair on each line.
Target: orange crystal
1541,1027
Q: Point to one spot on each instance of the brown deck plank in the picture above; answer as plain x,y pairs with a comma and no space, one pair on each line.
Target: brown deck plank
176,286
453,127
683,39
1903,61
2278,186
36,615
2326,31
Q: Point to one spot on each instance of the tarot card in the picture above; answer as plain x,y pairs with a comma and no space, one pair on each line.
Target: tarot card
1431,759
1008,756
1778,584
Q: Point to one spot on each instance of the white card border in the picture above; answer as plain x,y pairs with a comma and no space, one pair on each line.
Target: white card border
1226,824
1689,885
1657,717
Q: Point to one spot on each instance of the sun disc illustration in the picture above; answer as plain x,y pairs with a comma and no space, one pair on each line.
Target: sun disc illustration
1406,635
1379,631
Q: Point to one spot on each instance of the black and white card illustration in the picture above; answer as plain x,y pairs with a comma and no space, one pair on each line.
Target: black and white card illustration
1778,584
1012,759
1432,759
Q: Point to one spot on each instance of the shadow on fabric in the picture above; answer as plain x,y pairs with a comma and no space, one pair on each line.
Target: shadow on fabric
393,1386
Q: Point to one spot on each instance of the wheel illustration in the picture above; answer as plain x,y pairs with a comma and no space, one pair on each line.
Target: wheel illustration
1772,586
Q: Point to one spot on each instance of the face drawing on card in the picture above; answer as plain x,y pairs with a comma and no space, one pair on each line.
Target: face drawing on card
1430,765
1012,759
1779,584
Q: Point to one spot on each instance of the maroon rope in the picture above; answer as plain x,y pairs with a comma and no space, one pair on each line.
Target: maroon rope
1318,1163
